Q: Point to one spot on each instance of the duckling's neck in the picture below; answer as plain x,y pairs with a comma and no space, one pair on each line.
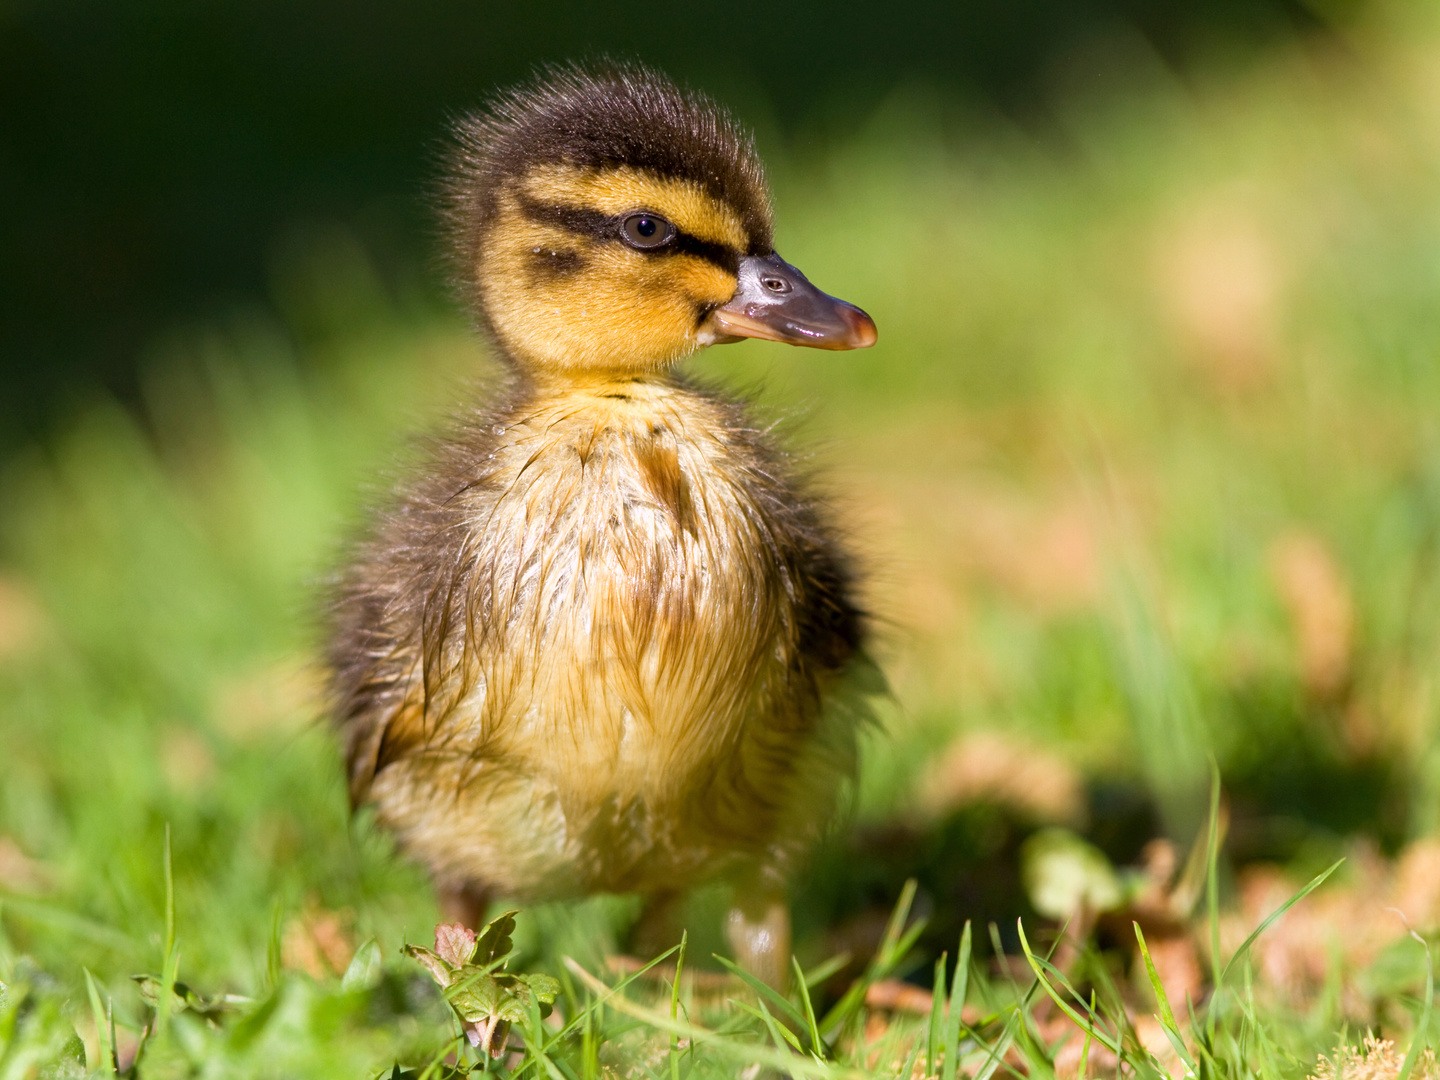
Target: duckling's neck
634,405
604,385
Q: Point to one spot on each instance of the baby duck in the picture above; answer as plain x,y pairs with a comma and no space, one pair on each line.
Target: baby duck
597,643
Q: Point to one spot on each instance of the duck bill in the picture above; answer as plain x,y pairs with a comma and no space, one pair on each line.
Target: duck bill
776,302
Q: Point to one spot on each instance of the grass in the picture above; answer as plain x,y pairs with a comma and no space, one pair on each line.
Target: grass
1146,470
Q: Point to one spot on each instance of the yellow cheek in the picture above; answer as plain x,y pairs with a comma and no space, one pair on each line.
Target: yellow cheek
583,303
621,310
703,282
653,304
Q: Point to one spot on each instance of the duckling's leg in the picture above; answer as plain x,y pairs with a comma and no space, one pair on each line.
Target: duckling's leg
659,926
466,904
758,929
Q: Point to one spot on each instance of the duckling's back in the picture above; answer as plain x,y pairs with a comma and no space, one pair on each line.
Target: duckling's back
588,648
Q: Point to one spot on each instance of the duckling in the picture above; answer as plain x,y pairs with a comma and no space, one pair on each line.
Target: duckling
599,641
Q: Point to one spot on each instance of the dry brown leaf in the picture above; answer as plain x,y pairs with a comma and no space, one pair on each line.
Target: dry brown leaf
1221,282
20,873
22,618
282,696
894,995
1416,890
989,766
318,942
877,1026
1047,557
1318,600
186,760
1345,923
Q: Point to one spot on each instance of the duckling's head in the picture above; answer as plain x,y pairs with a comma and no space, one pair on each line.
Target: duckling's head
607,222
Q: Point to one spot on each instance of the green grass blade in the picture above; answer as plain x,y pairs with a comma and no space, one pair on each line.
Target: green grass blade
68,922
824,970
1082,1023
1315,883
589,1043
937,1014
168,974
102,1023
1422,1024
996,1053
535,1042
457,1046
817,1045
572,965
250,1026
895,944
273,950
854,997
170,966
675,1004
1039,1064
908,1068
1085,1046
998,948
959,986
717,1042
1212,896
1059,978
169,898
779,1033
114,1042
1167,1015
889,942
1212,875
764,991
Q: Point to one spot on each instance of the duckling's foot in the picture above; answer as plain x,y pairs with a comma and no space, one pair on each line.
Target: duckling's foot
465,904
758,929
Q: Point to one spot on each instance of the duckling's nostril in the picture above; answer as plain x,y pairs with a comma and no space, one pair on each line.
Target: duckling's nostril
776,284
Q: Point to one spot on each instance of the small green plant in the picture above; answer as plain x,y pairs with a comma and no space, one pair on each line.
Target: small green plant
486,999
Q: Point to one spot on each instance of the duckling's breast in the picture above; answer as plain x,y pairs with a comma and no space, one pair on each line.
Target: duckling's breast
623,689
620,583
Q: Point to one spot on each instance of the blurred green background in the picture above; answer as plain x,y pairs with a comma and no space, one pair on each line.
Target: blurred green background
1145,468
154,154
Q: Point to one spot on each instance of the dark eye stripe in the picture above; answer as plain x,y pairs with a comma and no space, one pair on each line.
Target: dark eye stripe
585,221
721,255
580,220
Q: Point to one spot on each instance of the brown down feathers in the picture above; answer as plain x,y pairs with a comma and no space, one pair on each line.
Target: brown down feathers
596,641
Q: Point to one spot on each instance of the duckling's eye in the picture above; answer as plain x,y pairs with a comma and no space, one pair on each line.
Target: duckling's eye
647,231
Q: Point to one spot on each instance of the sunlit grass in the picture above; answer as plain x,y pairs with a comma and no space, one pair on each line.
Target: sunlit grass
1146,473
